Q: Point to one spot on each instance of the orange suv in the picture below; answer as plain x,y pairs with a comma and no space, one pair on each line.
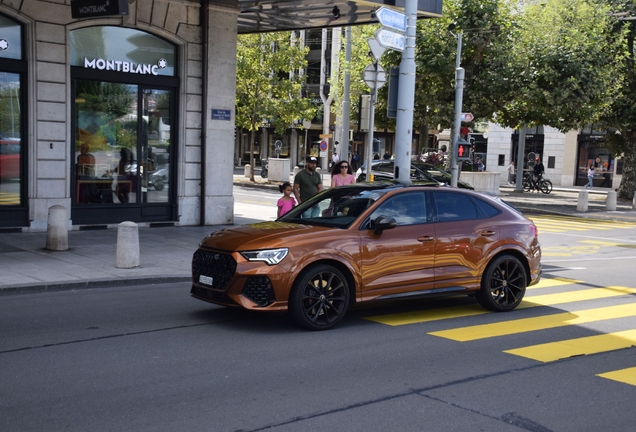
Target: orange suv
370,242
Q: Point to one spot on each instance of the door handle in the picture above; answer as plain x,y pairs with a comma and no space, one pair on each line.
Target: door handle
424,239
488,233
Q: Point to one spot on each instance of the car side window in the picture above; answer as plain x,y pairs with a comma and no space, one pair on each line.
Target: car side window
406,209
454,207
485,210
385,167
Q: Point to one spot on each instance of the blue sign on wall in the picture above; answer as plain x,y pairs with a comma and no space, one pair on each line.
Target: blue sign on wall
221,114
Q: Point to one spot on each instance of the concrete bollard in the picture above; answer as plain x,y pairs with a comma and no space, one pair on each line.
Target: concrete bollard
57,229
296,169
247,171
582,204
127,245
610,203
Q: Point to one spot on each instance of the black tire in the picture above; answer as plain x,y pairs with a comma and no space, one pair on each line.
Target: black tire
159,186
546,186
503,284
264,173
319,298
527,186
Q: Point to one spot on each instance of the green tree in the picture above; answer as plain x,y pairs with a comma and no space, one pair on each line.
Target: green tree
269,85
620,116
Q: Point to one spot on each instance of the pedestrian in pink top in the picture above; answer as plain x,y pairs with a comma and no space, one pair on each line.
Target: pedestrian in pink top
286,202
341,174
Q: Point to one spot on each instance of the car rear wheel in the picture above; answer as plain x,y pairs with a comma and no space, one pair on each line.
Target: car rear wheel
503,285
319,298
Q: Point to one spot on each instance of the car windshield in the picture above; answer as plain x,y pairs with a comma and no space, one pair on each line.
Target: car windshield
336,207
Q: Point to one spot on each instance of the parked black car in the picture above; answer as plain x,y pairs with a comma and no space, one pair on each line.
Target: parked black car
384,170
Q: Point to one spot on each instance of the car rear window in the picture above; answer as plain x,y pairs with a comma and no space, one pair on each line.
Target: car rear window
454,207
485,210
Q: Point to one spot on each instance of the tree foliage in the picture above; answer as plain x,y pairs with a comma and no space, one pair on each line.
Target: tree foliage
268,85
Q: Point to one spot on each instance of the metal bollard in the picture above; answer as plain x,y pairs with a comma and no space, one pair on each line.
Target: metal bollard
57,229
610,203
634,202
582,204
127,245
248,169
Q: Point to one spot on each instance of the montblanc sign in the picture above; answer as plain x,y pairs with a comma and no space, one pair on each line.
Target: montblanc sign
95,8
123,66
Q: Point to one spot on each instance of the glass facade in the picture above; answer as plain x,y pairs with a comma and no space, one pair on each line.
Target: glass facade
123,127
13,145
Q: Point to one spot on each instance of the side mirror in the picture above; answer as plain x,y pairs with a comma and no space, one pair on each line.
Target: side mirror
382,223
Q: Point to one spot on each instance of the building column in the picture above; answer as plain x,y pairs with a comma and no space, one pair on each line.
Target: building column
220,87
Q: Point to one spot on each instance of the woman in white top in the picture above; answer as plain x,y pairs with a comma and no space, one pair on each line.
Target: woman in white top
590,177
511,173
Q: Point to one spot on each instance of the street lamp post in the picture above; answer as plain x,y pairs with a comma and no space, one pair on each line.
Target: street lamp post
459,94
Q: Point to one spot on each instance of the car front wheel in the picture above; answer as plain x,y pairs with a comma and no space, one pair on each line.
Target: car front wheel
319,298
503,285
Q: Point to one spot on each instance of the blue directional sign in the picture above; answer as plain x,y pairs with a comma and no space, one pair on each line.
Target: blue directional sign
392,19
390,39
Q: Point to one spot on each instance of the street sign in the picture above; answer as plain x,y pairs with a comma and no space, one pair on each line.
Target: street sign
375,48
324,136
323,145
375,79
390,39
392,19
467,117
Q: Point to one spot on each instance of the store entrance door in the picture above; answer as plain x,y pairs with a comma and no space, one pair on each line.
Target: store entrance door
123,152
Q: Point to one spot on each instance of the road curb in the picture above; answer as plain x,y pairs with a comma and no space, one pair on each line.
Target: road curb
91,284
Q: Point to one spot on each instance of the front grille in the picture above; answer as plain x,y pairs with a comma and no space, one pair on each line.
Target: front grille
212,296
259,290
218,266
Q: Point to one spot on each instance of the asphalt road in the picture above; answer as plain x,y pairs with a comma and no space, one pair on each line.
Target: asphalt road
151,358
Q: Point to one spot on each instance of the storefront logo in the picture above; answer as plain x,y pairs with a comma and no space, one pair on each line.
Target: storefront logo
4,44
122,66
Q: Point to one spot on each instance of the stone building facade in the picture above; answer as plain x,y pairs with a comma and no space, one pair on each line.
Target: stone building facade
108,116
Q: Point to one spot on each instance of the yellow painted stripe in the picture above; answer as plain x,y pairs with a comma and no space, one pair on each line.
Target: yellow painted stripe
576,347
575,296
428,315
553,282
525,325
627,376
423,316
604,243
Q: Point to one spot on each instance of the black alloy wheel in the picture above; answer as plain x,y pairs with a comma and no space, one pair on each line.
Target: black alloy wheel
503,285
319,298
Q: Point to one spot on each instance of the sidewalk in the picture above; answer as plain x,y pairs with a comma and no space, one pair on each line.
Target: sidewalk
166,252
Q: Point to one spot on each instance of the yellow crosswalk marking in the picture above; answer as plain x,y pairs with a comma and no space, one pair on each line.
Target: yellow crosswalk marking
576,347
559,224
553,282
606,243
524,325
627,376
423,316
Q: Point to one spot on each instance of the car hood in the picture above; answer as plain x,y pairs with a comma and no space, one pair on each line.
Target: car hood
262,235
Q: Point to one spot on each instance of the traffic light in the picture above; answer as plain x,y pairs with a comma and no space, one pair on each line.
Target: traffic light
463,150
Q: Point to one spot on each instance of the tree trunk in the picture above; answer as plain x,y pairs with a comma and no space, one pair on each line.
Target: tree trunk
628,182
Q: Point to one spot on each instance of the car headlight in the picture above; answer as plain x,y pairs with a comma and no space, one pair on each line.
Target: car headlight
269,256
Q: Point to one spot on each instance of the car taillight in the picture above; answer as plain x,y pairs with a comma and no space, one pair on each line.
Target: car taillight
534,230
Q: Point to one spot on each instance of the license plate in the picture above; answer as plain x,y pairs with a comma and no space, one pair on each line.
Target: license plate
206,280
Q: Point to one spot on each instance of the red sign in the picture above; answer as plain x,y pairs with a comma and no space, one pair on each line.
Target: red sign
467,117
323,145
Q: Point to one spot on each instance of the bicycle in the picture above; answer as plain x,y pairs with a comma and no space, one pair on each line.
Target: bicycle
543,185
264,168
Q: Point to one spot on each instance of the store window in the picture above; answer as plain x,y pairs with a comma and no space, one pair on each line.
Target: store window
124,121
13,145
591,152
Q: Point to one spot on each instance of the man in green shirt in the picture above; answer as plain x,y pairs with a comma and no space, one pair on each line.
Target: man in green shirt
308,183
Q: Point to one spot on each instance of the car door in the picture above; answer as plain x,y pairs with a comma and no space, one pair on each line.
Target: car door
401,259
463,239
